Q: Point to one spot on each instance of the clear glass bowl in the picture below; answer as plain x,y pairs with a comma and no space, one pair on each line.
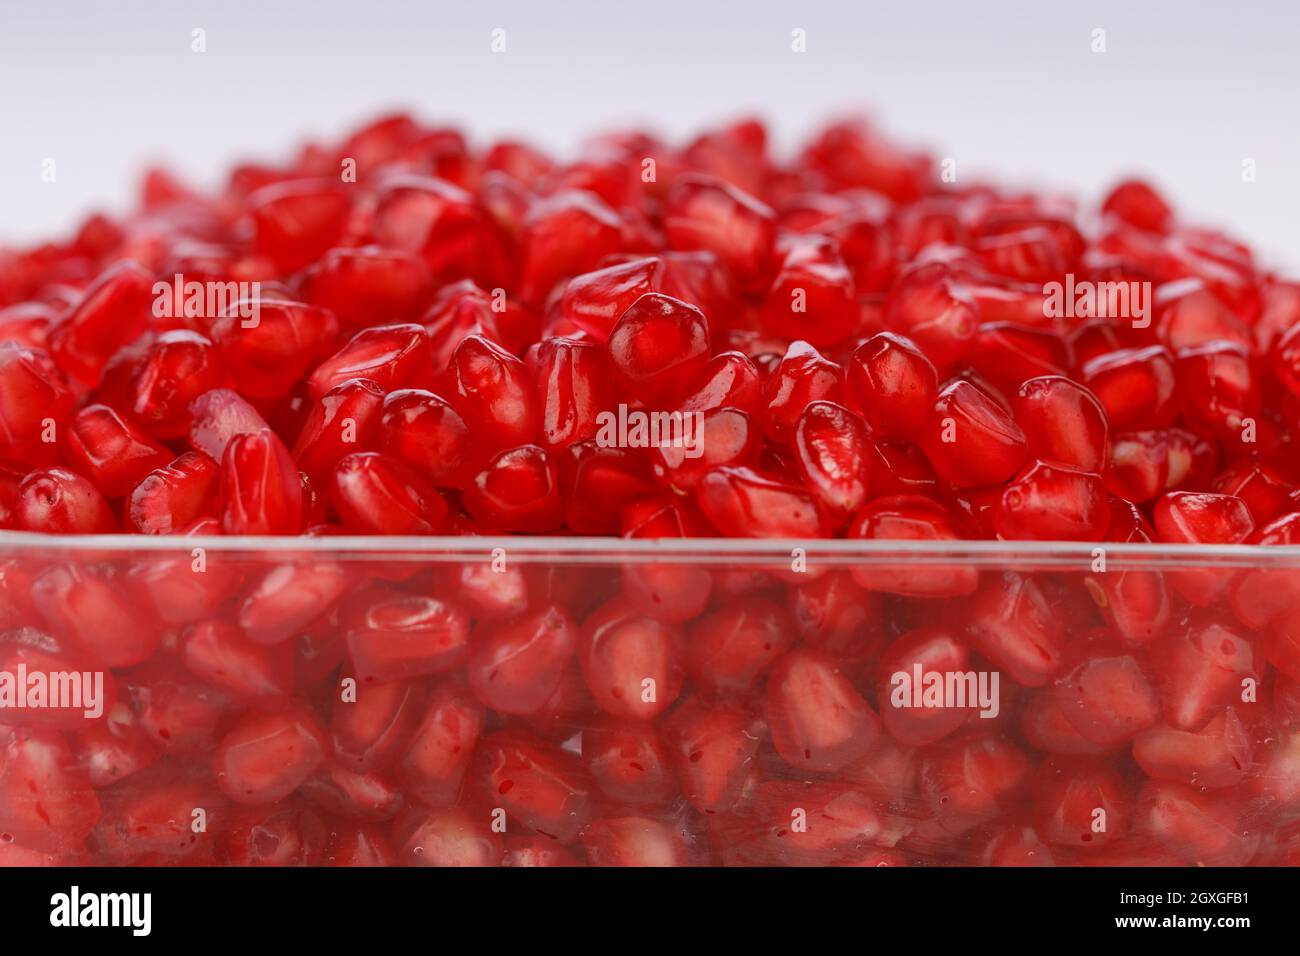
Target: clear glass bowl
480,701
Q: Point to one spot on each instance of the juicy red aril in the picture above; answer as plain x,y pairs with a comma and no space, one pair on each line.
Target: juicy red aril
1200,669
633,841
597,482
424,431
366,284
32,395
517,491
46,799
910,714
266,756
541,788
1138,204
343,420
111,451
1217,755
61,502
714,748
391,356
1063,422
802,376
218,416
740,502
392,636
1108,699
110,313
575,383
1201,518
970,780
628,760
911,518
177,368
927,305
494,394
1135,386
517,667
442,745
631,663
220,654
832,449
892,384
260,489
564,234
1080,802
813,296
595,301
1218,386
1200,828
726,437
1048,502
970,439
729,649
818,719
658,346
295,222
271,350
729,378
707,213
377,494
1011,624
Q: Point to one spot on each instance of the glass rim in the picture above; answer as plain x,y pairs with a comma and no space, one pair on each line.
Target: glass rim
1078,555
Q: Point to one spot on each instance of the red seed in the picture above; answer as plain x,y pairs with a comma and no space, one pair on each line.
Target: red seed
910,518
802,376
516,668
832,449
111,450
517,492
442,745
61,502
970,439
707,213
109,314
1135,386
813,296
1048,502
818,719
260,489
740,502
266,756
376,494
631,663
393,636
390,356
575,384
295,222
1063,422
595,301
494,394
658,346
564,234
892,384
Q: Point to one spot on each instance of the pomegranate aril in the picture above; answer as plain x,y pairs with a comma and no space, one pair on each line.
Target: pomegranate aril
270,351
658,346
46,800
813,296
61,502
714,747
1202,828
633,841
1136,387
375,494
1049,502
442,745
220,654
265,756
819,721
541,788
34,399
892,384
219,415
518,491
1201,518
369,283
729,378
1217,755
707,213
395,636
87,606
832,449
971,780
970,439
730,648
111,451
295,222
631,663
910,518
1080,802
451,837
1139,205
928,305
424,431
802,377
914,672
1063,422
260,489
517,667
1011,624
177,368
494,394
628,760
390,356
110,313
595,301
1108,699
174,496
741,502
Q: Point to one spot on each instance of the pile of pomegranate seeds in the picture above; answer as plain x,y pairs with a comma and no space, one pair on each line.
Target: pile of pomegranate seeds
399,335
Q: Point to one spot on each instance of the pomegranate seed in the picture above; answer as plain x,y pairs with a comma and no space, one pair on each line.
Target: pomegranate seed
929,654
366,284
271,351
109,314
802,377
1011,624
597,483
46,800
633,841
970,439
729,378
34,396
575,383
1218,387
1217,755
424,431
819,721
630,662
173,496
1048,502
493,392
266,756
927,305
61,502
87,606
1139,205
1063,422
1201,828
289,597
260,489
377,494
391,356
517,491
740,502
729,649
517,667
971,780
595,301
658,346
832,450
892,384
628,760
541,788
1135,600
1108,699
1200,518
1136,387
910,518
714,748
707,213
813,296
394,636
1263,488
370,732
452,837
218,416
295,222
111,451
1080,802
434,766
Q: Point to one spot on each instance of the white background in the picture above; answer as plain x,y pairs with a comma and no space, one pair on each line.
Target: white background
1183,94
